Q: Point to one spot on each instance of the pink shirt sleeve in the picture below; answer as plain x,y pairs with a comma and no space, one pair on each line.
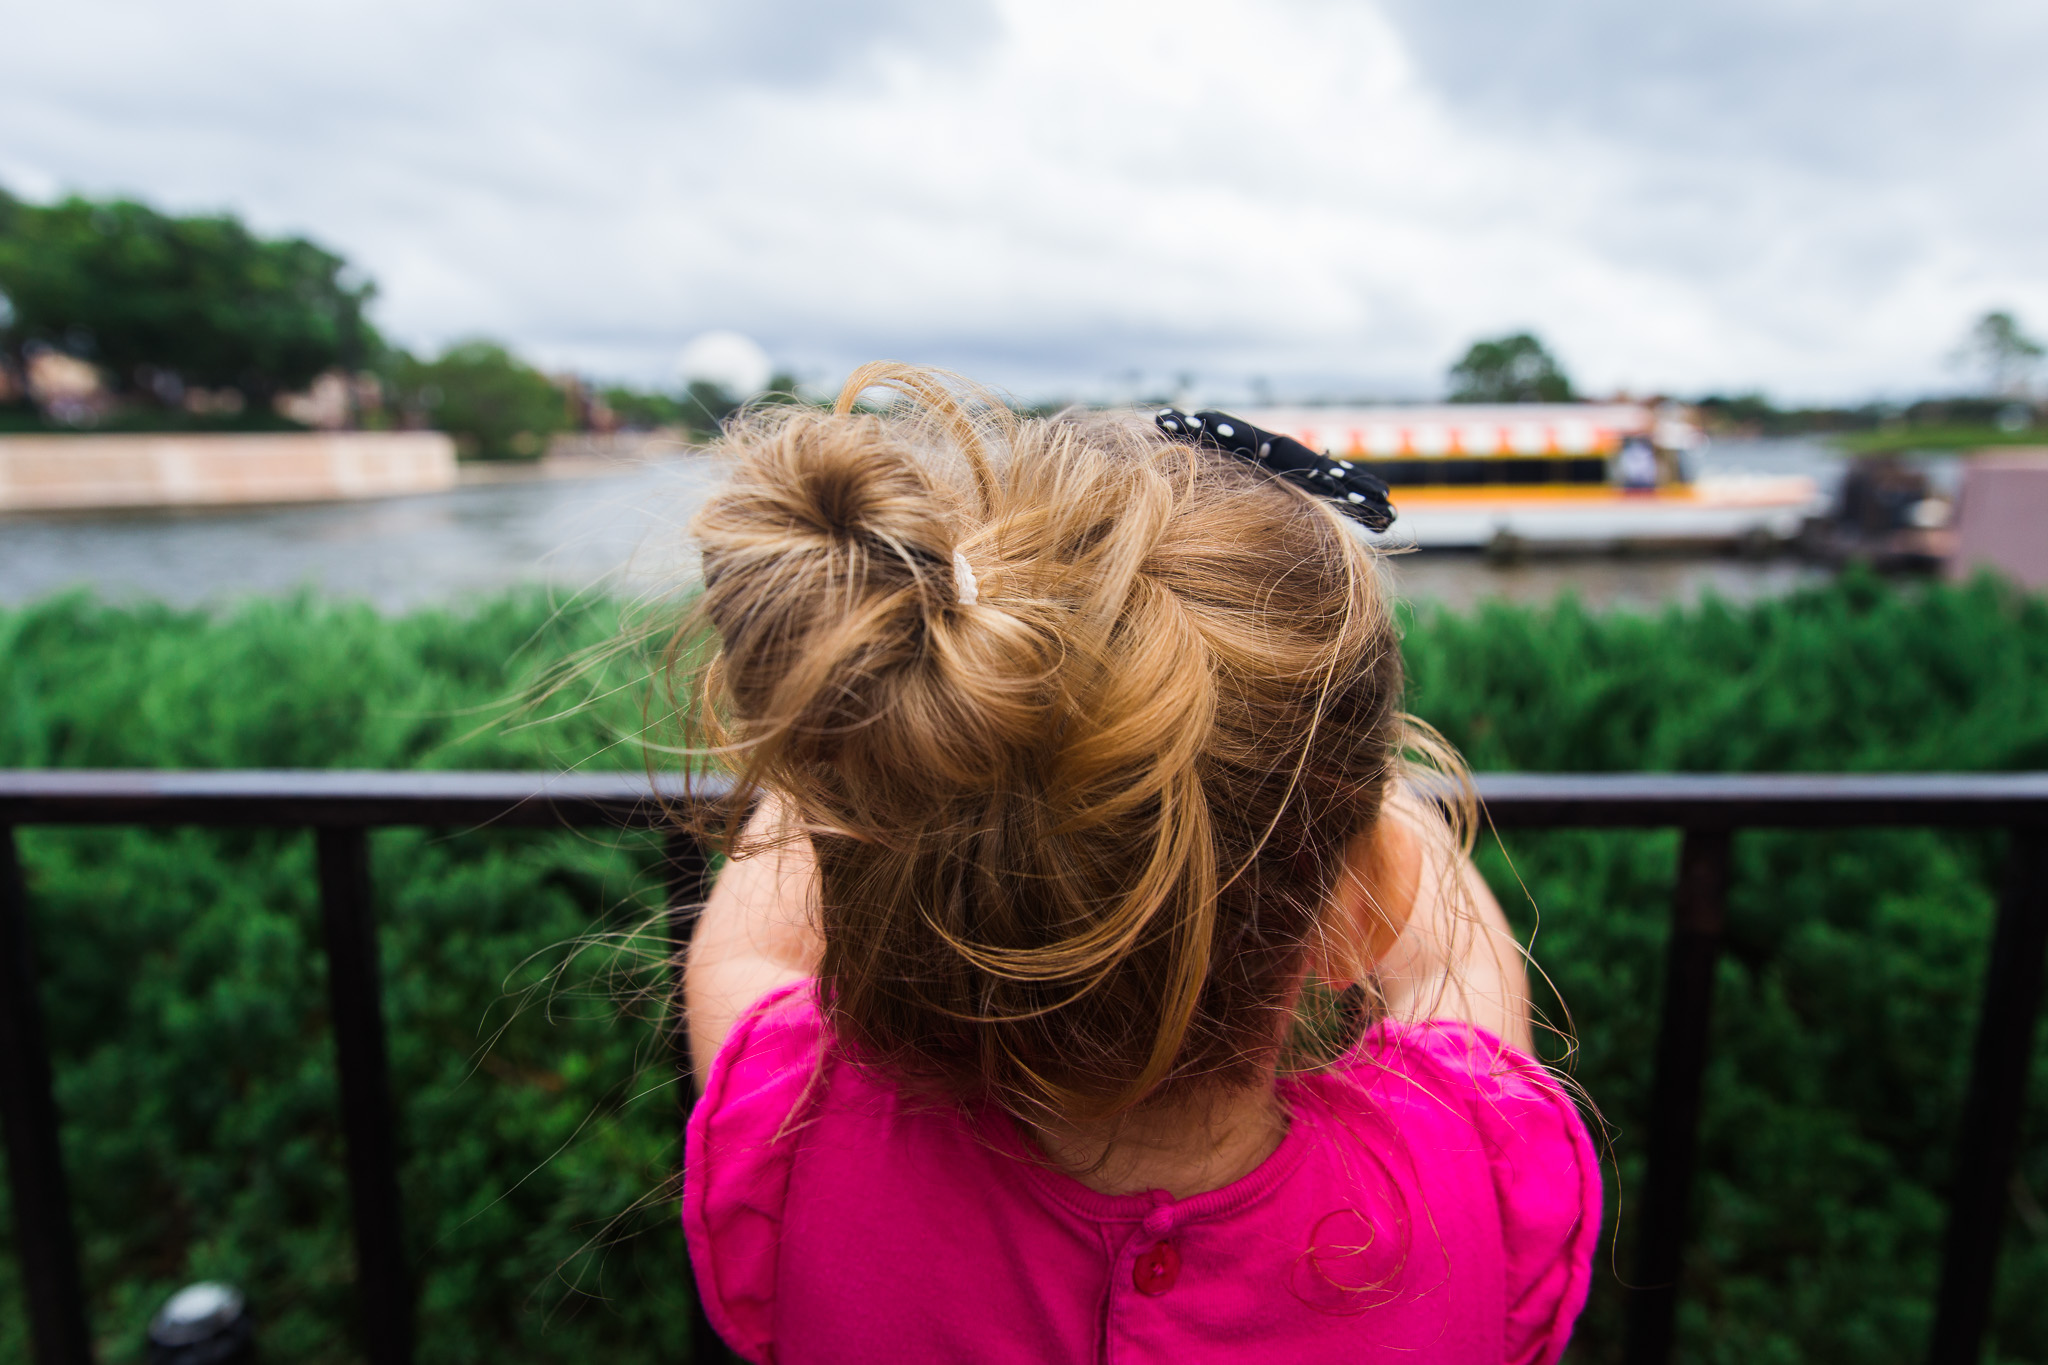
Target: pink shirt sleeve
1546,1177
736,1166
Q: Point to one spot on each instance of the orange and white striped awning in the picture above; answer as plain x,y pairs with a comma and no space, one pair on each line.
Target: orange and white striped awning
1405,432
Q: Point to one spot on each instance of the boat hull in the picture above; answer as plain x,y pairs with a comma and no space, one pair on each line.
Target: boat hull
1711,511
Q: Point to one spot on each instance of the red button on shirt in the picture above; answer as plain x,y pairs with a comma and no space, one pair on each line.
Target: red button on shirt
1157,1269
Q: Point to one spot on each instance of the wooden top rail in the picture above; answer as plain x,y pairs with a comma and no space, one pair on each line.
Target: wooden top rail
309,797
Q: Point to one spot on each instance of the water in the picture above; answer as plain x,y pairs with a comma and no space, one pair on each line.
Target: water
1460,580
622,531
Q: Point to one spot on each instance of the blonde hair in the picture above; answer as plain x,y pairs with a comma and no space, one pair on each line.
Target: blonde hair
1077,836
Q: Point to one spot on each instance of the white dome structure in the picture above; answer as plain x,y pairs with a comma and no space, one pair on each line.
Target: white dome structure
730,360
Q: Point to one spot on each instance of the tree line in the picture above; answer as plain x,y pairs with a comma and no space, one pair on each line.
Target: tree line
115,315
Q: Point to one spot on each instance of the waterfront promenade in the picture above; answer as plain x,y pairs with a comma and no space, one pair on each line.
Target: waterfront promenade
70,472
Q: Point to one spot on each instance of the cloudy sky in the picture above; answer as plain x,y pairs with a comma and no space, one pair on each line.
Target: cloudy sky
1812,197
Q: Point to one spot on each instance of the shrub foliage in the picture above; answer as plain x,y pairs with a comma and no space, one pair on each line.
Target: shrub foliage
186,999
1846,1001
186,995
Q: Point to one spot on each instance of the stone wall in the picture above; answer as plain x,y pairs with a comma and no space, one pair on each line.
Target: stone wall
50,472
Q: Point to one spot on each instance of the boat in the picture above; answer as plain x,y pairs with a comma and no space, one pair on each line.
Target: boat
1556,475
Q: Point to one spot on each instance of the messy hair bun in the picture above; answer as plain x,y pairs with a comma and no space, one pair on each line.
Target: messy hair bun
1075,835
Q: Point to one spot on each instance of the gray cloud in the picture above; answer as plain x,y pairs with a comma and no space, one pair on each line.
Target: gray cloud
1811,196
1843,88
800,42
1807,157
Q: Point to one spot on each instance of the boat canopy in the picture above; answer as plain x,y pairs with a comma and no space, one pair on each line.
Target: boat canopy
1465,429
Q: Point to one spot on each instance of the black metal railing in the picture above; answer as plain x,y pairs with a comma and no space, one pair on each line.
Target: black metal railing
342,807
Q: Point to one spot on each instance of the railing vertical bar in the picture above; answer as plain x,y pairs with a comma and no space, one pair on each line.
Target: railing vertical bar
688,884
383,1272
28,1114
1699,914
1989,1134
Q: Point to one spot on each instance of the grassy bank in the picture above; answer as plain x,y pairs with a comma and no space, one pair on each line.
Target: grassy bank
184,988
1945,439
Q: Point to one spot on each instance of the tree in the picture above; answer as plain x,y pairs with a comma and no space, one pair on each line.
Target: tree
1997,348
642,410
1510,369
702,407
161,303
495,406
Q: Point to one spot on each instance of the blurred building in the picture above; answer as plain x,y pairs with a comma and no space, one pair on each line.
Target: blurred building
68,389
327,404
336,401
2001,518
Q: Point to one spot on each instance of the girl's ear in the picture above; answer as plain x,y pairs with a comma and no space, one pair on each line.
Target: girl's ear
1374,898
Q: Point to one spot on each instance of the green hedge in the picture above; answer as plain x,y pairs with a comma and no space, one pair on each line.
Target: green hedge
184,989
1844,1008
187,1002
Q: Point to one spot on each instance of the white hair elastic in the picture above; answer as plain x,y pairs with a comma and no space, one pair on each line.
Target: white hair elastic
964,585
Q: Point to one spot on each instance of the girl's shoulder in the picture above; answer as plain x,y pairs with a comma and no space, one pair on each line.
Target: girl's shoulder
768,1060
1448,1095
755,1091
1450,1064
758,1085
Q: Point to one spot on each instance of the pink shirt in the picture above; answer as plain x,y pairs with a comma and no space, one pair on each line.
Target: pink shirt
1436,1199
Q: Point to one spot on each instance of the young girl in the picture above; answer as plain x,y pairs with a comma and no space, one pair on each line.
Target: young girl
1080,830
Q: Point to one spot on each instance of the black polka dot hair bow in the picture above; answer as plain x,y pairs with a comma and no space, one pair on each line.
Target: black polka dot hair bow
1350,486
